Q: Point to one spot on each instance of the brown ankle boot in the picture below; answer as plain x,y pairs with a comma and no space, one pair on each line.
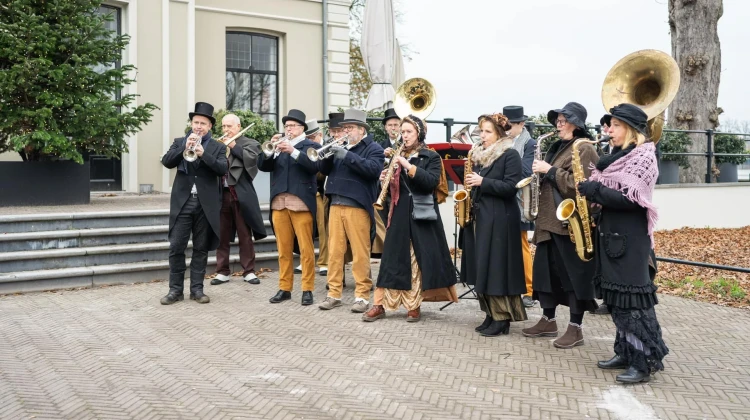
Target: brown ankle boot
572,337
375,313
543,328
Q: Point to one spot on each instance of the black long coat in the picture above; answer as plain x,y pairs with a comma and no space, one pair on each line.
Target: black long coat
206,173
623,251
243,167
492,256
427,237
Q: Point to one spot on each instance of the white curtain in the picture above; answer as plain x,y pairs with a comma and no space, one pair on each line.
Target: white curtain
399,75
378,45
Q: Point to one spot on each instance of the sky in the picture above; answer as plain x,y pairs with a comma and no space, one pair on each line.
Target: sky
484,54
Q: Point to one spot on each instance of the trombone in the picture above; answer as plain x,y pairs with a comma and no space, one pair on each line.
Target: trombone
323,153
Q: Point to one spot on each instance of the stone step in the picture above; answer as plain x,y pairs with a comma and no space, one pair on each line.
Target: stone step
102,275
89,220
76,238
50,259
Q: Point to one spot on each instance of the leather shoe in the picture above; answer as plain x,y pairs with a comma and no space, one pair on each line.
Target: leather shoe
280,296
617,362
485,324
633,376
307,298
200,297
496,328
171,298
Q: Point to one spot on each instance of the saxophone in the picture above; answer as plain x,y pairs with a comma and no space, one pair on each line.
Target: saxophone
462,207
529,187
576,212
392,168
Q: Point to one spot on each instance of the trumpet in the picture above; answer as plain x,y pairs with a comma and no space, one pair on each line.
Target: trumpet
269,147
189,153
324,152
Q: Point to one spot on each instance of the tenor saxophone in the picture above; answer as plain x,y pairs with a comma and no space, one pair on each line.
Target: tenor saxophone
462,198
392,168
529,187
576,212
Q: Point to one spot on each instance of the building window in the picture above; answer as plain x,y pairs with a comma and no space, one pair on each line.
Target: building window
252,73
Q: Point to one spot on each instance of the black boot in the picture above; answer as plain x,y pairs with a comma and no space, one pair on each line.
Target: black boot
617,362
196,287
171,298
280,296
176,286
200,297
633,376
496,328
485,324
307,298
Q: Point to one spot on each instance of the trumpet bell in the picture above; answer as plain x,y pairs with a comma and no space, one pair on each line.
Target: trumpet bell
463,135
566,209
190,155
312,154
415,96
649,79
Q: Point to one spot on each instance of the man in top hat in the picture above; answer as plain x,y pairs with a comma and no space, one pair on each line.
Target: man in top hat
525,146
240,210
392,126
353,174
195,203
293,205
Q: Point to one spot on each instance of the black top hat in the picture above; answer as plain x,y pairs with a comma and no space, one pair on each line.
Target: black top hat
295,115
357,117
574,112
205,110
514,113
629,114
334,119
390,114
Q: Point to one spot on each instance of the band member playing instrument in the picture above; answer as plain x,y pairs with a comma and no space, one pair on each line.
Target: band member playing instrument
623,185
293,205
416,264
195,203
560,277
392,125
351,189
525,146
240,210
492,239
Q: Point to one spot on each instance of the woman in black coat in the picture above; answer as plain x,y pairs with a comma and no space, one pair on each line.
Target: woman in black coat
416,264
492,258
623,184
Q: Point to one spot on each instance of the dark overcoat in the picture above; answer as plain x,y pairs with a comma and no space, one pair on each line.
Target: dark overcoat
493,259
427,237
243,167
205,173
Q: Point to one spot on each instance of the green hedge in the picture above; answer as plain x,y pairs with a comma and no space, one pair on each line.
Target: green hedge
728,143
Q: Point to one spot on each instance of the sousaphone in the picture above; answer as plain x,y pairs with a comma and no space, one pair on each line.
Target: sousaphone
415,96
649,79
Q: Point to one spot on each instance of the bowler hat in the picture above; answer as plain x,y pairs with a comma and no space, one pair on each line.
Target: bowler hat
204,109
355,116
295,115
630,114
390,114
514,113
574,112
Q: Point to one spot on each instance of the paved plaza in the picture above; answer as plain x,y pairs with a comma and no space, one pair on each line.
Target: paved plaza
115,352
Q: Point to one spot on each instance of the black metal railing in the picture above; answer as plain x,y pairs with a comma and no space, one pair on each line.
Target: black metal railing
702,264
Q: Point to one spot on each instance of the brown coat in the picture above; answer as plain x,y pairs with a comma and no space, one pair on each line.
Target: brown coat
560,156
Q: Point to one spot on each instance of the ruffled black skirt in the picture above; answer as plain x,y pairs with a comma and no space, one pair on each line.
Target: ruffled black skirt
627,296
639,338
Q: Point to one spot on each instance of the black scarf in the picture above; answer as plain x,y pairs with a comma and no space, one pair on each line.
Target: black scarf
184,164
615,154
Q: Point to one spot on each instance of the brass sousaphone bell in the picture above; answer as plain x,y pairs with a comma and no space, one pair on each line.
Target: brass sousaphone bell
649,79
415,96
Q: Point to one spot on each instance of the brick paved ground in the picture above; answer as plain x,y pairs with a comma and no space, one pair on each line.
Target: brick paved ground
117,353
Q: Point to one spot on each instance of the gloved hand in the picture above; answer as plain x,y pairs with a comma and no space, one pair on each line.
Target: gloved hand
339,152
588,188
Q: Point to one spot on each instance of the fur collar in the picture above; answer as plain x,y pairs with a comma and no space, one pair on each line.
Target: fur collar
484,157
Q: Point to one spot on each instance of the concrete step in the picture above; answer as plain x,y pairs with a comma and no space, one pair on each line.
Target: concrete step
101,275
89,220
75,238
49,259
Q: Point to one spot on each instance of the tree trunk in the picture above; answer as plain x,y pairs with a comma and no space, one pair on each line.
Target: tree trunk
695,47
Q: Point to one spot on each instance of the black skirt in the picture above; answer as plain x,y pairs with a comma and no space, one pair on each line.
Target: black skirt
639,338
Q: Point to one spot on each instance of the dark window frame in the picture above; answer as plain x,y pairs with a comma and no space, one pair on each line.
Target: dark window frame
249,71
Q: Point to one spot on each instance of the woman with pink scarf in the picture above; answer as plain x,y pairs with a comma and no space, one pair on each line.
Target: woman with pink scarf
623,185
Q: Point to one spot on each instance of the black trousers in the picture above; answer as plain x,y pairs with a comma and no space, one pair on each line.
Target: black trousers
191,220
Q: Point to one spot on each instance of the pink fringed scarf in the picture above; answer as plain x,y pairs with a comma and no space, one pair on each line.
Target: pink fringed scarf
634,175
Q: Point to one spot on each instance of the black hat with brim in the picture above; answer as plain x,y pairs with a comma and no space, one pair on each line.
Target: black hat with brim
390,114
204,109
574,112
515,113
630,114
295,115
334,119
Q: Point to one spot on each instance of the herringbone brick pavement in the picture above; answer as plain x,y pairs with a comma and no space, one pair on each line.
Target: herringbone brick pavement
115,352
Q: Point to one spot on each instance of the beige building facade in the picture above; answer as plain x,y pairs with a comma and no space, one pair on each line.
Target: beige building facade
263,55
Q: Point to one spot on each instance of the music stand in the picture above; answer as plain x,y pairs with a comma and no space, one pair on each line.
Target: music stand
454,159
